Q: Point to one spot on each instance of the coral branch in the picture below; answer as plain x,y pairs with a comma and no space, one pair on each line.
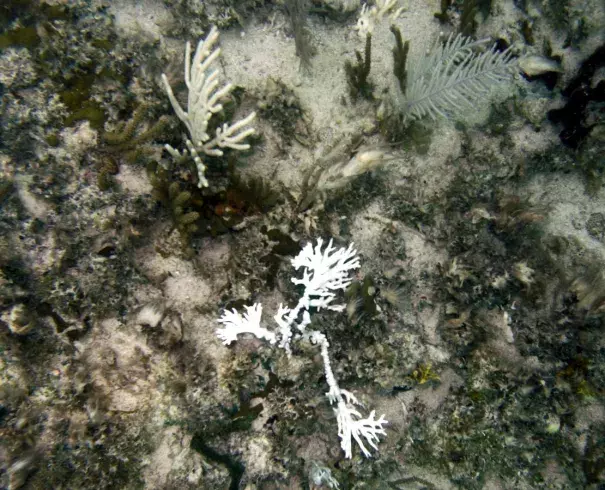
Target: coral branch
325,271
203,102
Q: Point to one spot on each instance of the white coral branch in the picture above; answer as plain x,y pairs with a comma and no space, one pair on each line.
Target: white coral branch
236,324
324,272
370,16
352,426
204,100
231,136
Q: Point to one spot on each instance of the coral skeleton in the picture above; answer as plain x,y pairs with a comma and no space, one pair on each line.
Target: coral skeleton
204,100
324,272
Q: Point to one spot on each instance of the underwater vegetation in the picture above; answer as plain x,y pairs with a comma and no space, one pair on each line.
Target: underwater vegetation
581,94
451,78
281,107
297,13
149,188
357,75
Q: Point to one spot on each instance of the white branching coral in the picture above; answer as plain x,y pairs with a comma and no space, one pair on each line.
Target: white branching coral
249,322
324,273
370,16
204,100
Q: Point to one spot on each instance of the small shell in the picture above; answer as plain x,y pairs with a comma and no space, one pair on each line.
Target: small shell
538,65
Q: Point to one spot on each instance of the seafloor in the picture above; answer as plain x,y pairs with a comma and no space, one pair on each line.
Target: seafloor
475,323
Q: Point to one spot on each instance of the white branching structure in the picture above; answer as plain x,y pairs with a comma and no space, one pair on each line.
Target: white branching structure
324,273
204,100
249,322
370,16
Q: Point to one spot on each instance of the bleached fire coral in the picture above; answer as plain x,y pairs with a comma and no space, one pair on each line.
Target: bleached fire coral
324,273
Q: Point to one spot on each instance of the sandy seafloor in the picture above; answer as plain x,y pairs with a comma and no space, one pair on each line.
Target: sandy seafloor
474,324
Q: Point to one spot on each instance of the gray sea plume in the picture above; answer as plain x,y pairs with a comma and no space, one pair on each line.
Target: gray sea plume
453,77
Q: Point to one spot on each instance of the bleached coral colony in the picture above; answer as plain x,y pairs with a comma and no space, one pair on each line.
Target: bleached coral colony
204,100
324,273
